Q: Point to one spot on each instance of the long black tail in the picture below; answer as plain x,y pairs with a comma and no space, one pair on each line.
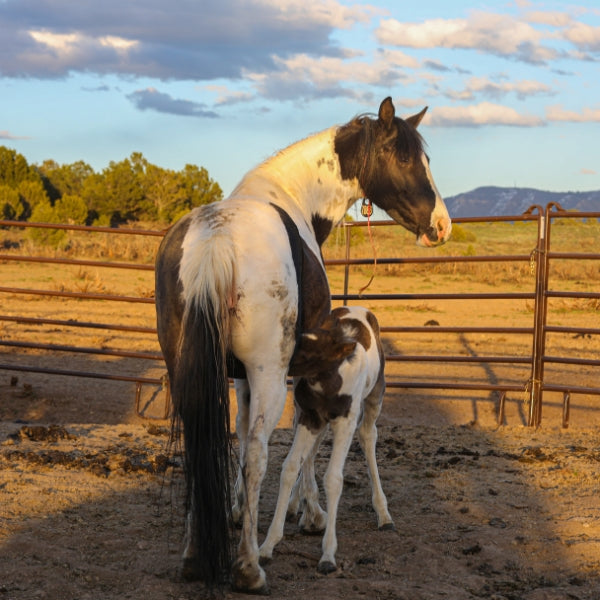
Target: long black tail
201,400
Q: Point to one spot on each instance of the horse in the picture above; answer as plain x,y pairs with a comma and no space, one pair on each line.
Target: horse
237,281
339,394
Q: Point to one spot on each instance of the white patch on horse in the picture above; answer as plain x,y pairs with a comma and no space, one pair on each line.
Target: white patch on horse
440,219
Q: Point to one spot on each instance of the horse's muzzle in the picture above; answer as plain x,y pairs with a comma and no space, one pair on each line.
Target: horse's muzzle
437,235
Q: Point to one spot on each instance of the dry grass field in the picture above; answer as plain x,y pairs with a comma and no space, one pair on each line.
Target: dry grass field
91,494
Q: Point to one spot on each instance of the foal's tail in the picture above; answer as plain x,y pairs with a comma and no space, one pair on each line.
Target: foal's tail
201,399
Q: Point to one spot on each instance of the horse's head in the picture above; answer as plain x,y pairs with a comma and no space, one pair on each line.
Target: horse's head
387,157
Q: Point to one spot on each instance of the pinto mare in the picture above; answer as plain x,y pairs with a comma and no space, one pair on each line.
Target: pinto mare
339,395
237,282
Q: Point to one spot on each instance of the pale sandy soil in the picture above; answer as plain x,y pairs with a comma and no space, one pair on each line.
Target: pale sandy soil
91,509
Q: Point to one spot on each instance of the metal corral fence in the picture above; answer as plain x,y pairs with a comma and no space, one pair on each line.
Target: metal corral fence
540,259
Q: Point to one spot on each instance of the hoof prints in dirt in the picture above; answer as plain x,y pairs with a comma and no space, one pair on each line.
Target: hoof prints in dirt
114,459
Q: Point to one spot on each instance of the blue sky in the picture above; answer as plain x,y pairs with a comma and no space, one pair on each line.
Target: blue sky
513,88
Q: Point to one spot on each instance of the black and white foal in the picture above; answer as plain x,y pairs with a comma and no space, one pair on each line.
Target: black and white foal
348,386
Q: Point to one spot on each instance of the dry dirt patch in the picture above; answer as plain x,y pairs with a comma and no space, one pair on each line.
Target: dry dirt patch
93,511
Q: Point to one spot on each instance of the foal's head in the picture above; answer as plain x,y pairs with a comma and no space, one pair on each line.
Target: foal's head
387,157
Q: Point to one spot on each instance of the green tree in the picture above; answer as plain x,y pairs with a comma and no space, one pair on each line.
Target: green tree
70,209
200,188
44,212
32,193
64,179
10,203
164,193
14,168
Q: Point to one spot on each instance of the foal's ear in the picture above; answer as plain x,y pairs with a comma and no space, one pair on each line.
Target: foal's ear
387,112
416,119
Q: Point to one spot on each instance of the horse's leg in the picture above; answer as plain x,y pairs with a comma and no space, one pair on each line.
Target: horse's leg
314,518
242,392
367,436
304,441
266,408
343,429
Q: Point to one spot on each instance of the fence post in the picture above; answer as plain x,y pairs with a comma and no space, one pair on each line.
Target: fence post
346,266
535,381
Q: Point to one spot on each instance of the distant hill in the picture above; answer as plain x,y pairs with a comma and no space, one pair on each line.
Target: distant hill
500,201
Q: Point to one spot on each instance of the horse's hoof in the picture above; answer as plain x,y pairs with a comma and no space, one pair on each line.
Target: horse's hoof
189,570
249,579
388,527
311,531
326,567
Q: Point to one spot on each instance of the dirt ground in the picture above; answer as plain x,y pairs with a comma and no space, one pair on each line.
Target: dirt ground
91,503
91,496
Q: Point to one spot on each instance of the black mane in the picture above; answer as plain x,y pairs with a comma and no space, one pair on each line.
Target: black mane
357,144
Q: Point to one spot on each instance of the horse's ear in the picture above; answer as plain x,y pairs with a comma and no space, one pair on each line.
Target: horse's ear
416,119
387,112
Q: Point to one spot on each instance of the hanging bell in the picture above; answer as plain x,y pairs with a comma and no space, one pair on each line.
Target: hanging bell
366,209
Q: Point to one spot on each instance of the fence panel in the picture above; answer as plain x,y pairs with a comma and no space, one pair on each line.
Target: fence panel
131,334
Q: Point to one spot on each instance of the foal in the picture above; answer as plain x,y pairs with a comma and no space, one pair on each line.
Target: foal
339,393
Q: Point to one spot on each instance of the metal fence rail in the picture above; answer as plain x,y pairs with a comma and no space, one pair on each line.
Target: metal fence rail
540,260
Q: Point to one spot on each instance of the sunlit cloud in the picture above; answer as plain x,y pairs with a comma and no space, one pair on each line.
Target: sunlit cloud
503,35
478,115
485,87
558,113
303,77
585,37
7,135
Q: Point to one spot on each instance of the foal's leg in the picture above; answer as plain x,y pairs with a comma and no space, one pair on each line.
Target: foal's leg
242,393
314,518
367,436
343,430
304,442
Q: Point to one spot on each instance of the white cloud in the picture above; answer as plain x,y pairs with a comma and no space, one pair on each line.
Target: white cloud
478,115
503,35
302,77
552,18
7,135
558,113
398,58
490,89
175,40
584,36
324,12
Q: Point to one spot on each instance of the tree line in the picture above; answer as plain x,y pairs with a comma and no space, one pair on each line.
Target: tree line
130,190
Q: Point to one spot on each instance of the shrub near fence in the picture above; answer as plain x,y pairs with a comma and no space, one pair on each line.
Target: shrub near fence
532,279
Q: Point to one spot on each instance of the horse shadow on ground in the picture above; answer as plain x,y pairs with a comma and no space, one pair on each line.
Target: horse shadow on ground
480,511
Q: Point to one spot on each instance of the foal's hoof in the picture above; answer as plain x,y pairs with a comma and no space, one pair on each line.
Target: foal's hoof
264,560
326,567
249,579
387,527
